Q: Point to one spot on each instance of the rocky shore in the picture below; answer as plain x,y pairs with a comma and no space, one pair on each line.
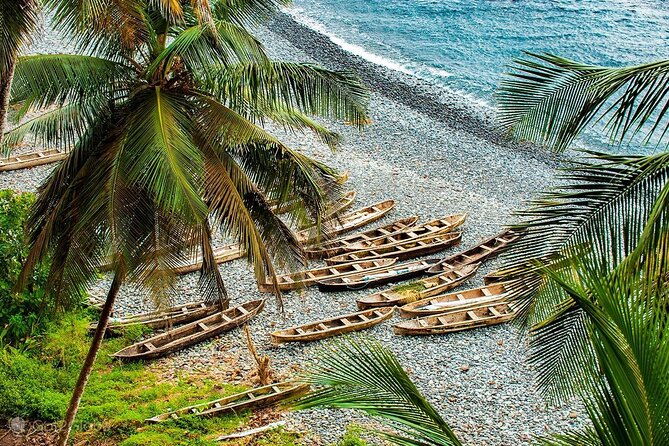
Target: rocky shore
435,154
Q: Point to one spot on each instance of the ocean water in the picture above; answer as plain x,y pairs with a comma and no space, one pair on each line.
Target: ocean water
467,44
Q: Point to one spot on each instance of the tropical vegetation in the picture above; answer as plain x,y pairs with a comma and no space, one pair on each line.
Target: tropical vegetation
160,112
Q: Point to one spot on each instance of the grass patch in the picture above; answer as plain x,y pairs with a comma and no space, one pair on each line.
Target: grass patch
37,385
409,290
352,436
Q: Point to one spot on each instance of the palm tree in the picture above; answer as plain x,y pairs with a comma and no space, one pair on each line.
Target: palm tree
360,373
607,202
18,18
160,115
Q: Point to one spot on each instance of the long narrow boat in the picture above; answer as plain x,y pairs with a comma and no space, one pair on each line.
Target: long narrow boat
348,222
306,278
256,398
193,333
485,250
412,291
31,159
223,254
433,227
326,328
177,315
336,208
338,246
402,251
446,302
459,320
394,273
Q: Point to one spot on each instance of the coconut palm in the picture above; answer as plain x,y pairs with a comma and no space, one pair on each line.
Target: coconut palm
18,18
606,202
360,373
160,115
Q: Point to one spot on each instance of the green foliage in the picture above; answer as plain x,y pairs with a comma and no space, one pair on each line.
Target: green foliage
352,436
21,314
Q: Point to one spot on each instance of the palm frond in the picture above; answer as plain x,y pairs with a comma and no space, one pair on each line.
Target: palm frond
361,374
18,19
247,12
550,100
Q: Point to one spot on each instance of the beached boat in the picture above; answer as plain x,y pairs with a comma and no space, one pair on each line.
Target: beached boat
330,327
335,208
177,315
446,302
338,246
393,273
402,251
193,333
253,398
433,227
348,222
485,250
458,320
31,159
306,278
409,292
223,254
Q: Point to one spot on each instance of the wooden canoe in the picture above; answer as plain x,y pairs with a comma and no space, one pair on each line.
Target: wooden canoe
335,208
306,278
419,289
446,302
338,246
402,251
326,328
393,273
485,250
348,222
253,398
223,254
177,315
193,333
463,319
31,159
433,227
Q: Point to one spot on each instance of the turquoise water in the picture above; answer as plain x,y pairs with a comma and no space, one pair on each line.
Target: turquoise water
467,44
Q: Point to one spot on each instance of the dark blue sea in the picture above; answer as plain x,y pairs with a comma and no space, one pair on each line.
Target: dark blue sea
467,44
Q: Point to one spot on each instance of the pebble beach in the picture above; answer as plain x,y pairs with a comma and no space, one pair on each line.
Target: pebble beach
435,153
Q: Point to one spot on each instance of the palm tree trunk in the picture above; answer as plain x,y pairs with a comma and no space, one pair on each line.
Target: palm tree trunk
90,360
5,87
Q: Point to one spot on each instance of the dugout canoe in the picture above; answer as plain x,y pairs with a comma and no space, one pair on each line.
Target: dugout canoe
458,320
31,159
402,251
393,273
433,227
253,398
347,222
222,254
412,291
485,250
446,302
338,246
176,315
306,278
326,328
193,333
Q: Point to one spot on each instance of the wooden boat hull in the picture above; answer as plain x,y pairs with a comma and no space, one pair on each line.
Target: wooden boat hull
485,250
191,334
32,159
257,397
433,227
446,302
306,278
349,222
177,315
394,273
338,246
326,328
404,251
445,282
223,254
457,320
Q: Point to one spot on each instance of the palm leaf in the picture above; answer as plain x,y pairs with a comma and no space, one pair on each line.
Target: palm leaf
247,12
18,18
362,374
